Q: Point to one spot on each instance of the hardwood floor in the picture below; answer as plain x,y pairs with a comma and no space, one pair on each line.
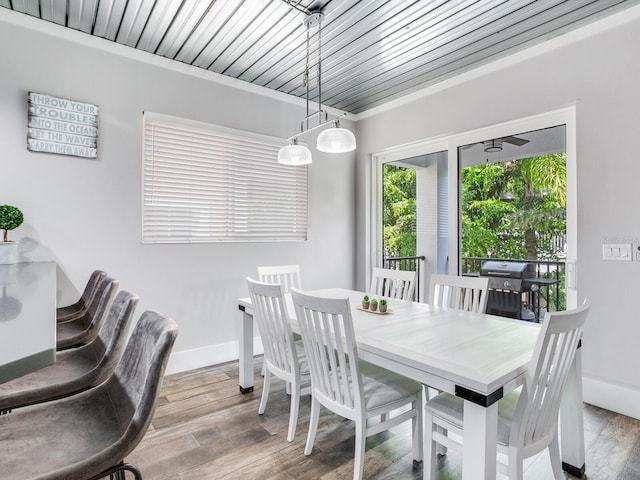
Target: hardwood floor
204,429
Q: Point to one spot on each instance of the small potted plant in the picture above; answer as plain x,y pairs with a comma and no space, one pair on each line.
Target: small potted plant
10,218
383,306
374,305
365,302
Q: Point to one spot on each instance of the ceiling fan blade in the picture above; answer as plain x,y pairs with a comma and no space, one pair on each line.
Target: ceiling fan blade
515,141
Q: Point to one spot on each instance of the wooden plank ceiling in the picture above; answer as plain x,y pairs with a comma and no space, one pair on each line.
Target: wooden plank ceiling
373,51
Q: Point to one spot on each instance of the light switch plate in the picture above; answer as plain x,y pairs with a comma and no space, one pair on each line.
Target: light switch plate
619,252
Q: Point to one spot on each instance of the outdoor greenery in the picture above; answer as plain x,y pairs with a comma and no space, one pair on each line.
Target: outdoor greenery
399,211
509,210
514,209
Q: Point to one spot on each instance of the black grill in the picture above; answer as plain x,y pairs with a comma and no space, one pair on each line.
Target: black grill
507,282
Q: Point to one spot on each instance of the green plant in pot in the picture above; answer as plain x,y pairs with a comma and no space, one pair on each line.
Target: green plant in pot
10,218
365,302
374,305
383,306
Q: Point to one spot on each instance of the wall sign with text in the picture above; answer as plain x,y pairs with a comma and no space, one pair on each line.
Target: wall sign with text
65,127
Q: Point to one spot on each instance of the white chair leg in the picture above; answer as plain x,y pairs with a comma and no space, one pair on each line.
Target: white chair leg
293,415
417,429
430,393
556,462
430,455
361,437
265,392
313,425
515,464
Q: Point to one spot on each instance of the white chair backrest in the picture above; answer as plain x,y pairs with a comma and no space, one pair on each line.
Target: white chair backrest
329,342
397,284
270,313
461,293
536,414
286,275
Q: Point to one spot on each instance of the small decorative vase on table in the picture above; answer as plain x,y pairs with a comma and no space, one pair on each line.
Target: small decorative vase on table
10,218
374,305
365,302
383,306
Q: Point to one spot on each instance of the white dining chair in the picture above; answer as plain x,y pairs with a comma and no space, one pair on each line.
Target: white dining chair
527,417
283,357
397,284
348,386
286,275
461,293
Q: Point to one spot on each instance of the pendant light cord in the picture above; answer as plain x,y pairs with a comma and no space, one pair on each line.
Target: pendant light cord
319,68
305,78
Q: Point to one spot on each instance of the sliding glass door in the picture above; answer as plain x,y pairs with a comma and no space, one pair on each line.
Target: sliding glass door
512,209
482,194
415,214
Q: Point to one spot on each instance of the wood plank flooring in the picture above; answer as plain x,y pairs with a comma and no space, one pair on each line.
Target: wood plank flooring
204,428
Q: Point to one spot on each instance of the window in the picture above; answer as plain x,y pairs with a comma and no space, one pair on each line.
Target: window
205,183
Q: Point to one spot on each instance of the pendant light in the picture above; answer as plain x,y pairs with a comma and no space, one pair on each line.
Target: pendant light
331,140
294,154
336,140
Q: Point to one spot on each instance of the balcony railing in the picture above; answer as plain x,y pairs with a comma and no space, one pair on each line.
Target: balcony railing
411,264
552,298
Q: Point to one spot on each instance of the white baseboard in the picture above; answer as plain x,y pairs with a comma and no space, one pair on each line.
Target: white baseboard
209,355
618,398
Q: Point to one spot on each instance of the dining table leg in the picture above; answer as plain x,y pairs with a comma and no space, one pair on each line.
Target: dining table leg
480,441
245,353
572,420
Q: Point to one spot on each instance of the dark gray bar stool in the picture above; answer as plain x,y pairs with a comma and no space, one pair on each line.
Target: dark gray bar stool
87,435
85,328
76,369
70,312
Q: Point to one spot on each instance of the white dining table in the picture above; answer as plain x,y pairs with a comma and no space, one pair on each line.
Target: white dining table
27,318
477,357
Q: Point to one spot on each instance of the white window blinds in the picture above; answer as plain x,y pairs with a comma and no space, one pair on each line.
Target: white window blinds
205,183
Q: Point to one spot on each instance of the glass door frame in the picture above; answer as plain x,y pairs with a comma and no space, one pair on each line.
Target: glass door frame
374,237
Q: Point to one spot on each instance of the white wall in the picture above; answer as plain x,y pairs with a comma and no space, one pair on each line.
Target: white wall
85,214
597,70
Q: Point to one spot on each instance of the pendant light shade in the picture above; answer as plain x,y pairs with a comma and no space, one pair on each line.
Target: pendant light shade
336,140
294,155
